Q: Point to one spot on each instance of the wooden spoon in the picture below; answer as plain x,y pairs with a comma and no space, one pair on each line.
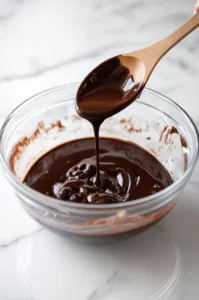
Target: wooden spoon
117,82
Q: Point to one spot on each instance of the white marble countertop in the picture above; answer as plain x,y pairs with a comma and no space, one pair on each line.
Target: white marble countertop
48,43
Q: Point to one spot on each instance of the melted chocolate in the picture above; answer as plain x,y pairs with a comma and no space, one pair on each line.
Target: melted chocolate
108,89
126,172
116,172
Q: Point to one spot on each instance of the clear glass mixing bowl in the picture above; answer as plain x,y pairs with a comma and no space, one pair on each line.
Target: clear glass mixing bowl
49,119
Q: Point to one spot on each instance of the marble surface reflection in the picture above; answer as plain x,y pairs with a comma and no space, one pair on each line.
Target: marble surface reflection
47,266
48,43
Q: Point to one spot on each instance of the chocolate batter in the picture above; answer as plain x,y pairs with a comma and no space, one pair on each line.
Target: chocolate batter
117,171
108,89
126,172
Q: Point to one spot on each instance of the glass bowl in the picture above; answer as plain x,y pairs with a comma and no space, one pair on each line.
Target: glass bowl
49,119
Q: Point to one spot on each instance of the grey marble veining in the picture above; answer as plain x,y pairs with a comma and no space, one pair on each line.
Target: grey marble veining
48,43
18,239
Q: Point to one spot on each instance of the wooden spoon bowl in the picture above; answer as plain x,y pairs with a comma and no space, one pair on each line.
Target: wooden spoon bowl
118,81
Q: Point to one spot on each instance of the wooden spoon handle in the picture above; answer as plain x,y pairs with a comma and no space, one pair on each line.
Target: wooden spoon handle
164,45
153,53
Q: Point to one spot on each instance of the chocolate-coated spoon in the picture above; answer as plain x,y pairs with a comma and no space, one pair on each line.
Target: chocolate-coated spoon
118,81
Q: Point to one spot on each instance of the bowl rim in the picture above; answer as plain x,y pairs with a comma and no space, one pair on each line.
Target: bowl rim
45,200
